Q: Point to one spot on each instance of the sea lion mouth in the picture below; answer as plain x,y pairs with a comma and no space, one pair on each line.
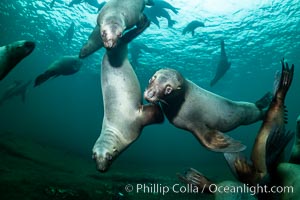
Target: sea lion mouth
109,44
29,46
102,163
149,95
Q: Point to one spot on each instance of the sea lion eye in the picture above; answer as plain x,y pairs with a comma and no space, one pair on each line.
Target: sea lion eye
168,89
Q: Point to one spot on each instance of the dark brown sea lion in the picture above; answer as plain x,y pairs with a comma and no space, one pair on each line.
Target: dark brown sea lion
270,140
66,65
12,54
201,112
223,65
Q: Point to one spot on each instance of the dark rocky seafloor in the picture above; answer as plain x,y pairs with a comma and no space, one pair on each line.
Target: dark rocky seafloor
36,171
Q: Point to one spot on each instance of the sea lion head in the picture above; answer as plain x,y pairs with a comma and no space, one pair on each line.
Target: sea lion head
21,48
111,30
164,85
103,158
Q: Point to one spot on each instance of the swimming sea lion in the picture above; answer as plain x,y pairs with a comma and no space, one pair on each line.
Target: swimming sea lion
69,33
166,5
192,26
270,140
117,16
93,44
12,54
155,11
201,112
65,65
17,88
223,65
124,114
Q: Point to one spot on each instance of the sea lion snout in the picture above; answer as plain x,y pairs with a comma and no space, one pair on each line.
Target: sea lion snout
150,95
103,160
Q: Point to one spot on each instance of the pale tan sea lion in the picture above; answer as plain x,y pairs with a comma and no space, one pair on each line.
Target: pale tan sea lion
205,114
124,114
117,16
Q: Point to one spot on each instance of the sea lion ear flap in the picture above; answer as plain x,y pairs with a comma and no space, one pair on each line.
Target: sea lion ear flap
168,90
151,114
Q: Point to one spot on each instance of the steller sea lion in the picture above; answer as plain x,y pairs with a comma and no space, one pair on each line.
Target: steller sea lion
124,114
65,65
206,115
192,26
12,54
270,141
117,16
17,88
222,67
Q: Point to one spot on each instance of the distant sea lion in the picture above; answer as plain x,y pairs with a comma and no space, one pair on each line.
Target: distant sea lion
223,65
270,141
17,88
65,65
124,114
93,44
155,11
69,33
117,16
201,112
12,54
166,5
190,28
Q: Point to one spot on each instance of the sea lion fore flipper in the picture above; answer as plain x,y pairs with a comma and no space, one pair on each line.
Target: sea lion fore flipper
276,143
219,142
240,167
151,114
265,101
130,35
192,176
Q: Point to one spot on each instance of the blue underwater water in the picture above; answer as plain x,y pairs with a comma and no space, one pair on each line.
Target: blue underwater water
66,112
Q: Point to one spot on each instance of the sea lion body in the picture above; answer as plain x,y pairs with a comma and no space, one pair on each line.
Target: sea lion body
65,65
124,114
199,111
12,54
222,67
275,117
93,44
17,88
270,143
192,26
117,16
165,5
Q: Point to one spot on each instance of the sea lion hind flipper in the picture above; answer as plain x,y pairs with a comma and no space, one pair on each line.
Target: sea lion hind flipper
142,26
151,114
192,176
219,142
265,101
275,145
241,168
